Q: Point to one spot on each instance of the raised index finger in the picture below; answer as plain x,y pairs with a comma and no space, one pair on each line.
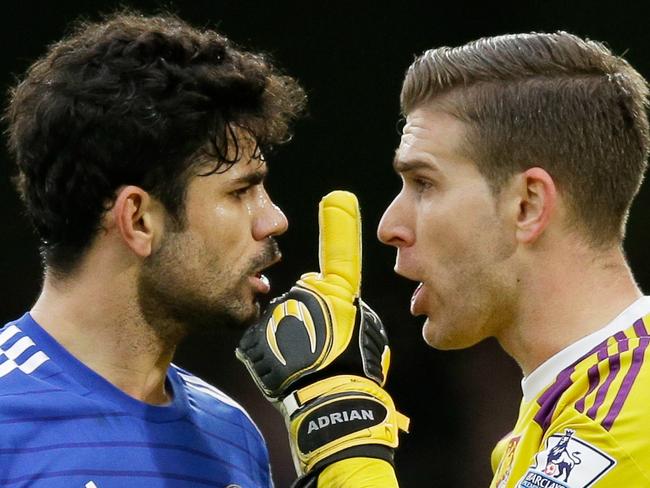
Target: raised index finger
340,239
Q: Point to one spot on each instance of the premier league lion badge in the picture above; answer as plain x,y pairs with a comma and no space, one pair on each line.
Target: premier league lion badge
566,462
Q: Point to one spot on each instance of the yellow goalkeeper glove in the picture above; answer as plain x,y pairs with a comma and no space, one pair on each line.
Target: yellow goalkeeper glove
322,355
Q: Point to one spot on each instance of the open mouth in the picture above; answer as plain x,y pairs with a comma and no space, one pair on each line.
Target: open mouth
417,300
415,292
258,279
260,283
263,278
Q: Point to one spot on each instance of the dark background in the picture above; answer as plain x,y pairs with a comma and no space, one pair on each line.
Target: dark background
350,56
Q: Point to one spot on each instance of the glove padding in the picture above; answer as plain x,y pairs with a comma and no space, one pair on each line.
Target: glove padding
322,355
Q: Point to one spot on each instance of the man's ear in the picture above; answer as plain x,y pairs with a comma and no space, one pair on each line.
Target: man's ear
138,219
537,204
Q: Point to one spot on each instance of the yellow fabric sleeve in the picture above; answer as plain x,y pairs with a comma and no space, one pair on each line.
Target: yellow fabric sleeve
358,473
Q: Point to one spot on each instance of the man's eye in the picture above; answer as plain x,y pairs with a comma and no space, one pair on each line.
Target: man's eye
421,185
240,192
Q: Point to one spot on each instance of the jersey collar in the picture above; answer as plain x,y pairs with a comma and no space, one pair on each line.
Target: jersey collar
541,377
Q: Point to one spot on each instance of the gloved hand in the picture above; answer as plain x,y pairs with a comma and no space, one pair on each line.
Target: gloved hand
322,356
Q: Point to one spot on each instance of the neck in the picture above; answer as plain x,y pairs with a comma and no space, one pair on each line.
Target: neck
565,302
99,322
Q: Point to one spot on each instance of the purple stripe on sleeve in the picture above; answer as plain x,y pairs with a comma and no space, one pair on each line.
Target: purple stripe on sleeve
614,368
640,329
549,399
628,381
594,378
593,374
622,339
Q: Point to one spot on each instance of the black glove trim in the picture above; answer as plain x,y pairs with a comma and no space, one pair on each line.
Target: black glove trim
373,451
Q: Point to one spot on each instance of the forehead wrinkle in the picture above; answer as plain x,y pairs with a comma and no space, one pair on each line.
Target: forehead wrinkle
411,158
415,139
429,143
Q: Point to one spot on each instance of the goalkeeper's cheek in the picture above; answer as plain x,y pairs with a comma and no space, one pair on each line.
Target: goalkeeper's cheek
358,473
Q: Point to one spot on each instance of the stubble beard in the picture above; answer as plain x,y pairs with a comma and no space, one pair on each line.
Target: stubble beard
177,301
480,303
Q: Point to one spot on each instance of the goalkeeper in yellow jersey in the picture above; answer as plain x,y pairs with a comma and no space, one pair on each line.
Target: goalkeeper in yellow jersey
520,158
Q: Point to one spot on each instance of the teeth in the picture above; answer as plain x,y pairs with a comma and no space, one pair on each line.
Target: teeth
264,279
415,293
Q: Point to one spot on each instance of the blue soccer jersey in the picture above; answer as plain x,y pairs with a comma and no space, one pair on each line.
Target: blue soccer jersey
62,425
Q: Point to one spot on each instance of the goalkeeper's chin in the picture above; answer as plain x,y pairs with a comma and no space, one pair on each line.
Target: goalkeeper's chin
447,336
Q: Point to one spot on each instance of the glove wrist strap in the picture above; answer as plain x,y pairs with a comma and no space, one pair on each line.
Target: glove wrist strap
343,414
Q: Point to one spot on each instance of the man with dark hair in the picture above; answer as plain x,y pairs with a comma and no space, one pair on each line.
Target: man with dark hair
520,158
139,143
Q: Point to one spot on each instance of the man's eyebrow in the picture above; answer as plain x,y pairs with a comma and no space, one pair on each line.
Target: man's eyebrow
253,178
405,165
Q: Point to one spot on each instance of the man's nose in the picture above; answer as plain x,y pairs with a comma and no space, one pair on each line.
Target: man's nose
394,227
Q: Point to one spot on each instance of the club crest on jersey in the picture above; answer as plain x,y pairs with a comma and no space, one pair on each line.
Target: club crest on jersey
567,461
505,466
289,308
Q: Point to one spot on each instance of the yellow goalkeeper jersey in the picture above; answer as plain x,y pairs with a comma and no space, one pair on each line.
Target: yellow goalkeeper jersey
585,416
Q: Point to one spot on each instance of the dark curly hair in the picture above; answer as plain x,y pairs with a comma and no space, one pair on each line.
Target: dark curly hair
134,100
